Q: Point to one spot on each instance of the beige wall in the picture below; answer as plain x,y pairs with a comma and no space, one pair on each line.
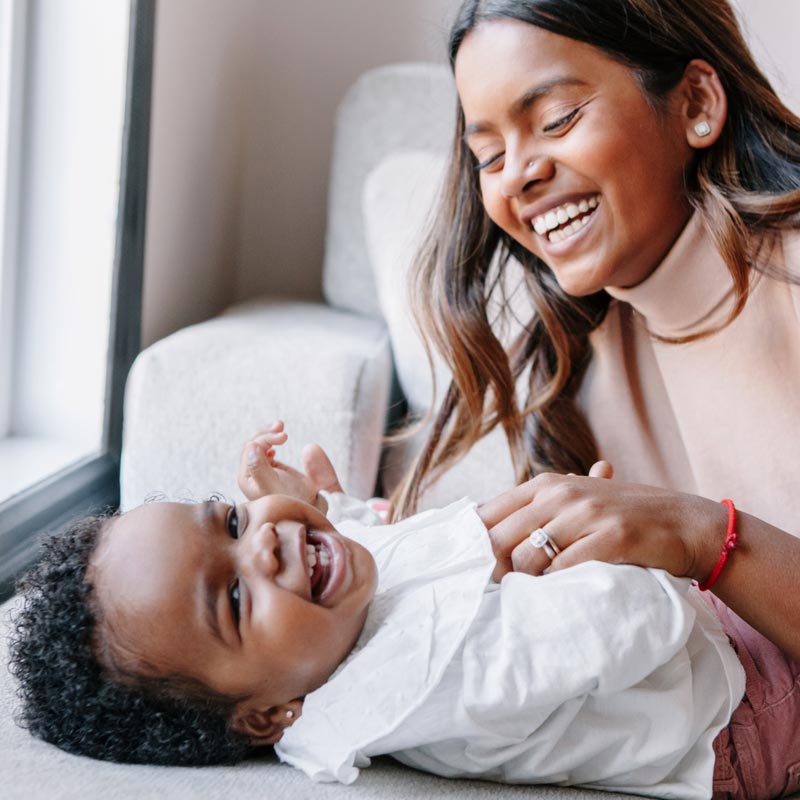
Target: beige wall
243,102
772,28
194,196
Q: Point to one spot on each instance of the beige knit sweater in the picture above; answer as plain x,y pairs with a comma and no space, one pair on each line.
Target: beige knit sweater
719,417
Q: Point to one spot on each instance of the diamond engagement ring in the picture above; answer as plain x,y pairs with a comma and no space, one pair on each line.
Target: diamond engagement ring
540,539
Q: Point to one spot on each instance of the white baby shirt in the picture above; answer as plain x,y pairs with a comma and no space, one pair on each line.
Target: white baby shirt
601,675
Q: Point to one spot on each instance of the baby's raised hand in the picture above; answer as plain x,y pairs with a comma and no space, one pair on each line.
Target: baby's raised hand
260,473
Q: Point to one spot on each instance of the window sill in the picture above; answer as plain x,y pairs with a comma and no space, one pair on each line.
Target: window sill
28,460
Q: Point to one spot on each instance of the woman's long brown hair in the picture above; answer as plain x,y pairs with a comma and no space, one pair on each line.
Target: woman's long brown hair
746,187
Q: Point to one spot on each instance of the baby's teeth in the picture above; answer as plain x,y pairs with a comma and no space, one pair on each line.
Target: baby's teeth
324,558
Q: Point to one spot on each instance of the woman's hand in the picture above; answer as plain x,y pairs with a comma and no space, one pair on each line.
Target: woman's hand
261,474
589,519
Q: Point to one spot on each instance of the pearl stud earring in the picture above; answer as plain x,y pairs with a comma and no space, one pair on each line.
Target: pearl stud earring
702,128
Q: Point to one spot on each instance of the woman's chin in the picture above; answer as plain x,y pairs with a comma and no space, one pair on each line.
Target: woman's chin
576,284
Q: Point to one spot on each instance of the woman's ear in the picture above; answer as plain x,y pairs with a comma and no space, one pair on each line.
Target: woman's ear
703,104
264,727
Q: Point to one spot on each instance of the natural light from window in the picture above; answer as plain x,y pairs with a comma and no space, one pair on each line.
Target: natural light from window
62,97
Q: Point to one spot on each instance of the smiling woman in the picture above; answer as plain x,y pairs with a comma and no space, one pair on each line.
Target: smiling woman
638,165
568,103
599,132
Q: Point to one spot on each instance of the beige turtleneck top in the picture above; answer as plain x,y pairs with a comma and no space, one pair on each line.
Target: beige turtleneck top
718,417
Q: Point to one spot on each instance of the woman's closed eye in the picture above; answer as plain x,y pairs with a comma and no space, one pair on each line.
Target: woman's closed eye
494,161
561,122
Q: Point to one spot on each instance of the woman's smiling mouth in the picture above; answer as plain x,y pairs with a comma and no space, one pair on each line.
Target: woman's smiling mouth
565,220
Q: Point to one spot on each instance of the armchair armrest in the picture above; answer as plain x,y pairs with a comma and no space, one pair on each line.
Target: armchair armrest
193,398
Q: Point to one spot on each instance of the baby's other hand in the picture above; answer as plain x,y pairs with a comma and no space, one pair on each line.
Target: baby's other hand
260,473
319,469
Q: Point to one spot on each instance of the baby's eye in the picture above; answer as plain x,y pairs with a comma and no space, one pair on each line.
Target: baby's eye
233,523
235,598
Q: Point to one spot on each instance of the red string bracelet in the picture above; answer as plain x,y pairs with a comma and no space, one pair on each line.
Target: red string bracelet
731,540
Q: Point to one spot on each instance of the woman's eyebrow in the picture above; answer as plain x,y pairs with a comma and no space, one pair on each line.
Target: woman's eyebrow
523,103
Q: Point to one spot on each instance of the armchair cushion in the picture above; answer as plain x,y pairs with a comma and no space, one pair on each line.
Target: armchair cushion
193,398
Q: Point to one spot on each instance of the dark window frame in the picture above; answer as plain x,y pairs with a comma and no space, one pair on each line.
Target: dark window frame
92,484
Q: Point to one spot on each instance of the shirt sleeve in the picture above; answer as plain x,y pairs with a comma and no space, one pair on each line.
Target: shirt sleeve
595,628
344,508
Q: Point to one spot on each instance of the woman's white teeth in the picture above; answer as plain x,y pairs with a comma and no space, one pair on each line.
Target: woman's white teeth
546,224
568,230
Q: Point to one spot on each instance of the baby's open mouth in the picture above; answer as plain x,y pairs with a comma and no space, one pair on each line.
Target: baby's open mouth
319,561
566,220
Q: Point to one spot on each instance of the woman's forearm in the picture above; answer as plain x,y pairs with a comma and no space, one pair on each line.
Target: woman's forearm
760,582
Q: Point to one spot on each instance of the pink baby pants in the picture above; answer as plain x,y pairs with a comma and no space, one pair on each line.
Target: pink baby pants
758,754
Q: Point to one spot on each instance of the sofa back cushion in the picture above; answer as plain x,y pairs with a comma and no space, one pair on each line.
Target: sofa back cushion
399,194
397,107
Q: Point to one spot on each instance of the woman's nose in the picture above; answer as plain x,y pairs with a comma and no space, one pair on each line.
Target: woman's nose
259,550
519,172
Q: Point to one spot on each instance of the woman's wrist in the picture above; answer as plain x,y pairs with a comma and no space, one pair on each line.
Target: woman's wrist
710,525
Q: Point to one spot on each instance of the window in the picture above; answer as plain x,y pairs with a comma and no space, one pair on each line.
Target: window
74,124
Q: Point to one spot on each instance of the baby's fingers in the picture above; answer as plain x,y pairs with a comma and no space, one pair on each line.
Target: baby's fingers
271,439
256,474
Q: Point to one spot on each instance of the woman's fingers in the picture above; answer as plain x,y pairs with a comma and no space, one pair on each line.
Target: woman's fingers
527,557
501,507
589,548
533,538
602,520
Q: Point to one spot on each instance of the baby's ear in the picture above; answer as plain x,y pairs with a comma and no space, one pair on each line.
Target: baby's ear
266,726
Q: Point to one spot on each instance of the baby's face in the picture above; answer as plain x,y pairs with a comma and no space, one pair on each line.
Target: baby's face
261,600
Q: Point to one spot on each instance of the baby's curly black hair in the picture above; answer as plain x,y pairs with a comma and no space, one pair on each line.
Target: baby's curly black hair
70,700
